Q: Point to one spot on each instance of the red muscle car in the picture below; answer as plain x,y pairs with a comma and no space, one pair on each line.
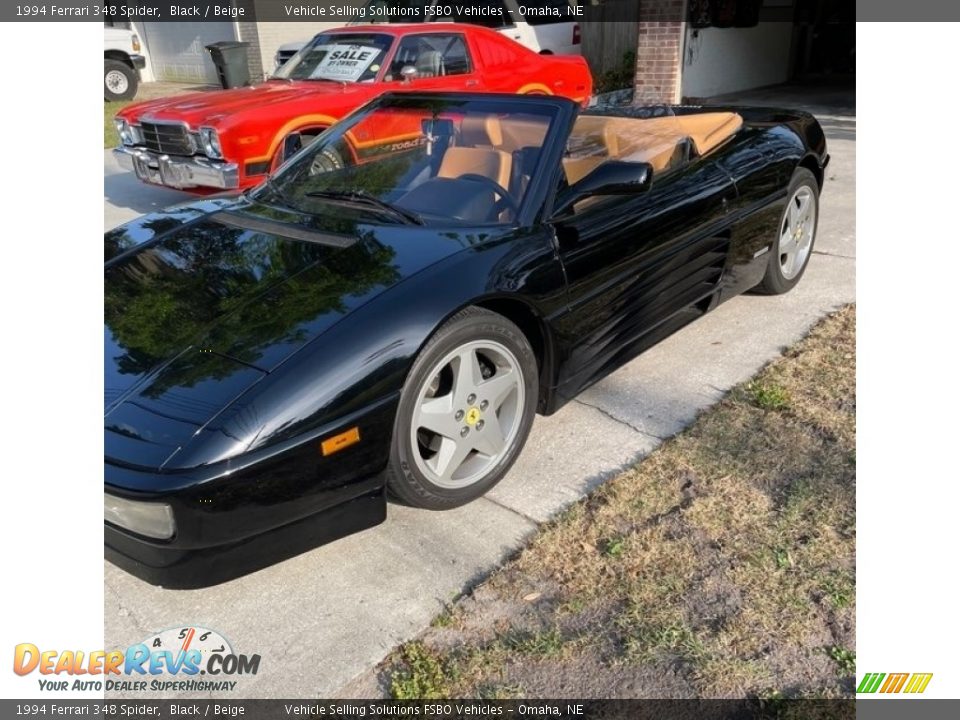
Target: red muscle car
228,139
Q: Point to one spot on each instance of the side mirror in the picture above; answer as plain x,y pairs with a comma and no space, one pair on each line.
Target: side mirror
613,177
408,73
292,144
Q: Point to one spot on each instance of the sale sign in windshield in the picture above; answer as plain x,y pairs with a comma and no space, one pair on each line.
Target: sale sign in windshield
345,62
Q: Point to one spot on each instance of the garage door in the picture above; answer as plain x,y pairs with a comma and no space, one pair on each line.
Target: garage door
177,49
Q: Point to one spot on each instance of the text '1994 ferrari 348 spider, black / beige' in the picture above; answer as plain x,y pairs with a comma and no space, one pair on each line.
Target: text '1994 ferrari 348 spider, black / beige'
388,312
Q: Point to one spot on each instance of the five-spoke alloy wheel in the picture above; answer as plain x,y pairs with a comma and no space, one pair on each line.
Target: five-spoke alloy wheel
465,412
795,235
796,232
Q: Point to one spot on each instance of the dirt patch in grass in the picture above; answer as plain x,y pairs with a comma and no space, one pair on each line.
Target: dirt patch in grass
721,566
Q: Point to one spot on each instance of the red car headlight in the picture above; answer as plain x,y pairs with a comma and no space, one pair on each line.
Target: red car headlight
211,143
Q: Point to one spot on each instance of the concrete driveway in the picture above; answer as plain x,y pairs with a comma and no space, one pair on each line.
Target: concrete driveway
125,198
324,617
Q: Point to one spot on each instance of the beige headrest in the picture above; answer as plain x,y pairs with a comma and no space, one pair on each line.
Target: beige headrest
459,161
709,129
481,130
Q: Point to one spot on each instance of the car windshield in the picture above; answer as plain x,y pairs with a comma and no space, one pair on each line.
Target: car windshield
338,57
423,159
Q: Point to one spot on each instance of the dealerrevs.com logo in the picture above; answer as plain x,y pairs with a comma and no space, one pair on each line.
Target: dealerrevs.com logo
184,659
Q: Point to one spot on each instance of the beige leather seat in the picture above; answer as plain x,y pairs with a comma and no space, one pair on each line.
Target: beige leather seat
491,163
708,130
652,140
511,135
520,133
481,131
597,142
578,168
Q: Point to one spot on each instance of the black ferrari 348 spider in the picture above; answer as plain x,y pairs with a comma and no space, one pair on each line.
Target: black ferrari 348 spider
386,315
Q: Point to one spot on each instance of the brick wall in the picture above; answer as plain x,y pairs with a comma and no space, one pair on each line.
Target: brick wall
248,33
271,35
659,51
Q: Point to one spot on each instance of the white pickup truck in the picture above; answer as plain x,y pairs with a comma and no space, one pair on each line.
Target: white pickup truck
122,63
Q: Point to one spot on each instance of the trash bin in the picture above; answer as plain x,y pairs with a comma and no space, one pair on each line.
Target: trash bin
230,57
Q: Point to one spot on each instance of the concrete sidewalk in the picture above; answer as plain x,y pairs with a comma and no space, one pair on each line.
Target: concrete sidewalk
324,617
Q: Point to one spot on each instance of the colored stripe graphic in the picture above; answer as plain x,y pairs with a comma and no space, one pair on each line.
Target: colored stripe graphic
894,683
918,682
870,682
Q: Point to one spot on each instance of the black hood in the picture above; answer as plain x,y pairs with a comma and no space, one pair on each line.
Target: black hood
200,312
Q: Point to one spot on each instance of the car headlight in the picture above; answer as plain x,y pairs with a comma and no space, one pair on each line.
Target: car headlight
135,41
211,143
144,518
124,131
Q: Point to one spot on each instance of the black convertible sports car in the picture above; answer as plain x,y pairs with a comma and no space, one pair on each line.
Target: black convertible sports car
390,310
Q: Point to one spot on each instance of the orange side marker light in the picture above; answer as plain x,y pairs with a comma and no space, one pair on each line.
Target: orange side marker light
339,442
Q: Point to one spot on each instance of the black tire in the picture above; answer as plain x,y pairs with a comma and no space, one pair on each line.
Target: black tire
774,281
306,137
115,87
405,480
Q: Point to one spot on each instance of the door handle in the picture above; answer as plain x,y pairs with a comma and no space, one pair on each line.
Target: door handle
471,83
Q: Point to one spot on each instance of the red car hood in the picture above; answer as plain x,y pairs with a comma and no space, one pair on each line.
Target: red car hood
207,108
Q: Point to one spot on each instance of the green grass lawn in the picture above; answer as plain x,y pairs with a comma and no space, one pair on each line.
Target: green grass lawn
722,565
109,132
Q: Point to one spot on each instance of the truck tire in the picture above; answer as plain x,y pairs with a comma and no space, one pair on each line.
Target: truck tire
119,81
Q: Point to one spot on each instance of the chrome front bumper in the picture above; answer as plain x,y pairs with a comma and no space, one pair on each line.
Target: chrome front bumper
178,172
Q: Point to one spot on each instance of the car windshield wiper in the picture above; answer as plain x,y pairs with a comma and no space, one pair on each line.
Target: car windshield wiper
364,198
341,83
278,198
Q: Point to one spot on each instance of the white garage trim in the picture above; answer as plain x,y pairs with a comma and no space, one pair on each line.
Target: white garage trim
177,49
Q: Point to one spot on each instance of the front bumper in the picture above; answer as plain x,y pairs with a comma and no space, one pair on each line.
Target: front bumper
242,514
174,567
178,172
139,61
